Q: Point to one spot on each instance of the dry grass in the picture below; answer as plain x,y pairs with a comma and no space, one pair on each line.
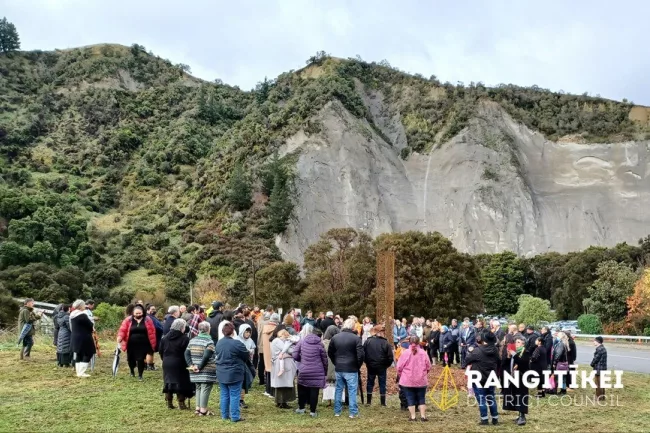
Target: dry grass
37,396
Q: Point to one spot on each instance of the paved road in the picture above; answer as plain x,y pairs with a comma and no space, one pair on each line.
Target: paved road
627,357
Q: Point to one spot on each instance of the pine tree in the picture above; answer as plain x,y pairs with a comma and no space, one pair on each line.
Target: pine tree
239,189
9,40
268,174
280,206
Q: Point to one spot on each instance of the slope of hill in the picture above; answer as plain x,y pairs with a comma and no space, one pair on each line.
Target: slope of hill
116,163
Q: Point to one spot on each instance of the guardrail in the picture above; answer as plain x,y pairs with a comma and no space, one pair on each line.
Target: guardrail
638,338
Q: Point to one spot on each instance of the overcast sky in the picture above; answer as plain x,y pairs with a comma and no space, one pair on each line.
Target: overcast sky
599,46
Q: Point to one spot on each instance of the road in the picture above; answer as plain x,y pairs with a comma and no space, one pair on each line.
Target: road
627,357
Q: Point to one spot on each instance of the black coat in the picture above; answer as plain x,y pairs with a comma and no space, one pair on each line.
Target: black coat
214,319
531,343
446,342
378,353
176,377
573,352
83,344
539,359
599,363
470,339
547,341
559,354
346,352
516,396
483,358
326,323
434,340
167,324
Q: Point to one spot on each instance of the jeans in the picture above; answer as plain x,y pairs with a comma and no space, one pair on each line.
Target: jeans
486,398
28,342
352,382
308,394
370,384
203,391
229,400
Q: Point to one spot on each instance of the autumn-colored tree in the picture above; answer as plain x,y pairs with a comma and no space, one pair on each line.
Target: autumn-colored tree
340,273
638,305
208,290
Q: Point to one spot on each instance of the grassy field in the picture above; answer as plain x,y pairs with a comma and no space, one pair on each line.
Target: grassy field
38,396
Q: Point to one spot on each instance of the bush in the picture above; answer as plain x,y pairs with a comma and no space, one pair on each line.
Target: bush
109,316
590,324
646,331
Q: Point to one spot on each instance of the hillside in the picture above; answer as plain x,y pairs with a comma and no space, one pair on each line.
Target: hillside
118,169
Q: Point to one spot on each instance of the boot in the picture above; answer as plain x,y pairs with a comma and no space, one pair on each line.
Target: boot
22,353
368,399
170,400
181,403
81,372
382,400
522,419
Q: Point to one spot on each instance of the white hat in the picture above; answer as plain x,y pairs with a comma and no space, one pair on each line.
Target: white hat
329,314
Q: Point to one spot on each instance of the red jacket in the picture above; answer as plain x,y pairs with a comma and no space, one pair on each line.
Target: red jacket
125,330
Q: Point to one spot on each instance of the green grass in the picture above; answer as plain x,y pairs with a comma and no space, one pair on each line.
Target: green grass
37,396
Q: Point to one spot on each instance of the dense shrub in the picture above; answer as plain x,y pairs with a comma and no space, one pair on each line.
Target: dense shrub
590,324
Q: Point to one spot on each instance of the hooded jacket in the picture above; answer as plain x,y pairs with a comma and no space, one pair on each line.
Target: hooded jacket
378,353
483,358
310,352
413,369
248,342
214,319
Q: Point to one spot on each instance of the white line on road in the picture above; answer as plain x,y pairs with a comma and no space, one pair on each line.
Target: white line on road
625,356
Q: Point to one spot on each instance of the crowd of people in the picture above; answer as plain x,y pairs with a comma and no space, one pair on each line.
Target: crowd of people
316,356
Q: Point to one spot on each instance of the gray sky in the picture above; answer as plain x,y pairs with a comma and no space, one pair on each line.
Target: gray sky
599,46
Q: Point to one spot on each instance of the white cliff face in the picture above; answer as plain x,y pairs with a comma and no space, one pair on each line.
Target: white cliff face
496,186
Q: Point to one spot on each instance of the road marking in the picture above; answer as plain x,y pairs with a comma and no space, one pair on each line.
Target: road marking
625,356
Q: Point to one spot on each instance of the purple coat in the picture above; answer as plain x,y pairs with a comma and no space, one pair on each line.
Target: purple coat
313,362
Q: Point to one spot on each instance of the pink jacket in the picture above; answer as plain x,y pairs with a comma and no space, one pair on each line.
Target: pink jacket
413,369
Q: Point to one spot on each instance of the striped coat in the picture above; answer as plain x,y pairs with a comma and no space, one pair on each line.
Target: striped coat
196,349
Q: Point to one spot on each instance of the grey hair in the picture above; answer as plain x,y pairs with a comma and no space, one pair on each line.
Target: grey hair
173,309
204,327
349,324
520,338
179,325
79,303
306,330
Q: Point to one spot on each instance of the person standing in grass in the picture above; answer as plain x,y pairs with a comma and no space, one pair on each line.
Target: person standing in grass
484,358
176,378
346,352
158,326
283,370
267,331
137,337
27,317
413,369
64,337
378,355
599,364
310,353
233,371
83,344
200,359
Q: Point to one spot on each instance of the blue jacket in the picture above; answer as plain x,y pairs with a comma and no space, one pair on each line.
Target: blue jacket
470,339
455,333
399,333
233,361
167,324
446,341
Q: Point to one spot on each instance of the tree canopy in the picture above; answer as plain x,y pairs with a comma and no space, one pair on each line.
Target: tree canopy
9,39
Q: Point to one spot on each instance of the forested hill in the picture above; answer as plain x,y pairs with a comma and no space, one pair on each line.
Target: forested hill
123,173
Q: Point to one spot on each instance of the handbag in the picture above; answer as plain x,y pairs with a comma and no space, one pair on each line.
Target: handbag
562,366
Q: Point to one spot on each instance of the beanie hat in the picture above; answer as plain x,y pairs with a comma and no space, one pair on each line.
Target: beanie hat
275,317
329,314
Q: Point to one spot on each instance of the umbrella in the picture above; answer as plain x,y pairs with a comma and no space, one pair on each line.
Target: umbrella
23,333
116,360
